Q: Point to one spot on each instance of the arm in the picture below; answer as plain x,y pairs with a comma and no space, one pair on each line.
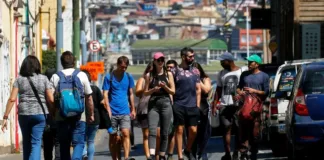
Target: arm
11,101
198,94
148,91
139,87
131,100
171,89
219,90
206,85
89,104
106,102
50,101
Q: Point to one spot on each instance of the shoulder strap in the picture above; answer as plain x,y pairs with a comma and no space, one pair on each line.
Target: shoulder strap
37,96
111,74
128,76
61,75
75,72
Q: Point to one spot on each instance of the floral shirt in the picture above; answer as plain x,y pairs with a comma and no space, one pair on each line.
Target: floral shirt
185,83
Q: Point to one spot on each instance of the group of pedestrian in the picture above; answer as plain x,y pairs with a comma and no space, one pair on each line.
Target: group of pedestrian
234,84
173,110
62,108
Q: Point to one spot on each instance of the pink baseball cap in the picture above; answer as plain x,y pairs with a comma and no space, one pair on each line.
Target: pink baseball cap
158,55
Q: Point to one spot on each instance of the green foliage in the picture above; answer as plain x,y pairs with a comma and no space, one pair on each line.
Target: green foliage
176,6
48,60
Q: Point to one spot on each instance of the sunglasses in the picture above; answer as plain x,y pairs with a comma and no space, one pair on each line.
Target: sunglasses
160,60
170,67
192,56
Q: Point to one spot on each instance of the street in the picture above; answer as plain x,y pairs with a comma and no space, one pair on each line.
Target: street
215,149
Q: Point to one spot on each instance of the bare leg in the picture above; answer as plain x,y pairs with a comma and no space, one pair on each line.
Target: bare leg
191,137
145,142
126,142
179,134
113,146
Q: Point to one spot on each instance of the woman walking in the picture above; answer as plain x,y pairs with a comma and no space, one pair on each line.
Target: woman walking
160,87
141,110
34,90
204,130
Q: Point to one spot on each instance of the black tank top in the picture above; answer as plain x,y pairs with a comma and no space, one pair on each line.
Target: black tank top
155,82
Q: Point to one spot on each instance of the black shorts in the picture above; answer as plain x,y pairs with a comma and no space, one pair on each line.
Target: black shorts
229,115
188,116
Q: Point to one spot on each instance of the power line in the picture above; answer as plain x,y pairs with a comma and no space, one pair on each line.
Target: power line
223,24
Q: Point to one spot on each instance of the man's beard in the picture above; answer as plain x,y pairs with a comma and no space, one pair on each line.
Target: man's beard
189,62
227,67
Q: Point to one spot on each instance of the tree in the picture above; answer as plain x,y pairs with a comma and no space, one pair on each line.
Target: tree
48,60
176,7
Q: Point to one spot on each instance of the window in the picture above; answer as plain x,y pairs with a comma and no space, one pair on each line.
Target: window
314,82
287,80
243,39
258,39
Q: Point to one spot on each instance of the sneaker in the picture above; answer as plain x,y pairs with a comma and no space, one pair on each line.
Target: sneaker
188,155
162,157
227,157
203,156
170,158
244,156
235,156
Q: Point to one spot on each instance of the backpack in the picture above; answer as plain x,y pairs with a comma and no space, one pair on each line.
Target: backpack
251,108
70,94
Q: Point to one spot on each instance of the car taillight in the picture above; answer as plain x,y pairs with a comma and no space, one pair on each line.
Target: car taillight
273,106
300,105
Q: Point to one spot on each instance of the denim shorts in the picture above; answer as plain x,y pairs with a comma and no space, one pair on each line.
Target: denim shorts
120,122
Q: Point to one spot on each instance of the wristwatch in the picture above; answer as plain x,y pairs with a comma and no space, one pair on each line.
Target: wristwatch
5,117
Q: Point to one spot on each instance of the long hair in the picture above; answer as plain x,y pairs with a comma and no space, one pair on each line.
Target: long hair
201,70
148,68
29,66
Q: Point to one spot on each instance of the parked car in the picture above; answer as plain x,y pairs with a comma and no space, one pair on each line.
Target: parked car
279,93
305,114
271,70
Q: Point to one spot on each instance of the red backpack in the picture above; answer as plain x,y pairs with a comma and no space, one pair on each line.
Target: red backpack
252,106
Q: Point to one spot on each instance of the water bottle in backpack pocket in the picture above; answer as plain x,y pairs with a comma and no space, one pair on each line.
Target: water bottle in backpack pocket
69,95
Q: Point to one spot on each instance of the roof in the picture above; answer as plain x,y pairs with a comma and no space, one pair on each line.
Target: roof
212,44
199,13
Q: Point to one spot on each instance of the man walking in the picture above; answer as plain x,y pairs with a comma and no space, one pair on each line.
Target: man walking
186,101
227,82
71,125
253,82
119,100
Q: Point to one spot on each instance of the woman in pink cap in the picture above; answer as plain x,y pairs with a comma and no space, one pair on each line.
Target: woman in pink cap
160,87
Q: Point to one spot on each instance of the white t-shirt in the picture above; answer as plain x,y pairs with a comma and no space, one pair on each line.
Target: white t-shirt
84,80
229,81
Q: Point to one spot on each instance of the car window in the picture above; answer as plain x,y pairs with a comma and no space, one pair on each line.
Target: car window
314,82
287,79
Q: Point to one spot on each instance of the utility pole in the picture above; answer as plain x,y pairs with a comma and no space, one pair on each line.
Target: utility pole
27,26
59,35
247,32
84,41
76,31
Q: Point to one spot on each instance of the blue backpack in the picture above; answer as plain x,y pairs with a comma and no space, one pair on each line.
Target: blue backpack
70,94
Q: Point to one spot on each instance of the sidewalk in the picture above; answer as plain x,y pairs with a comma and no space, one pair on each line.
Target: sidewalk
19,156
